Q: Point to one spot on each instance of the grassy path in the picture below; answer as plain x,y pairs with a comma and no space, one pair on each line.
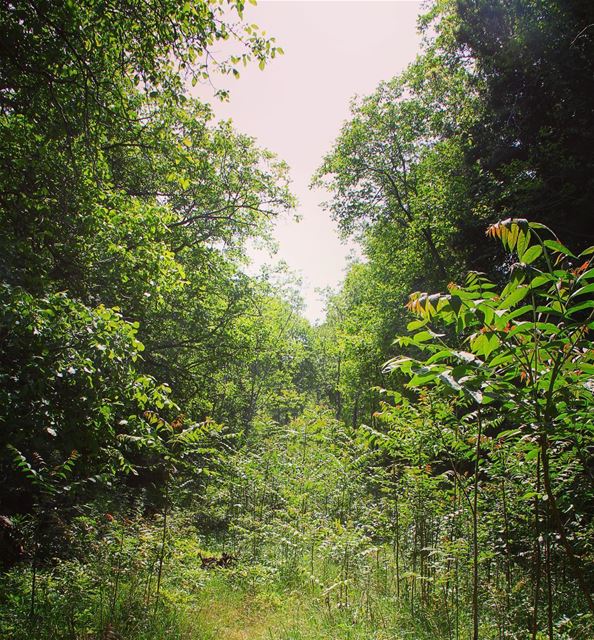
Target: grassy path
245,618
224,612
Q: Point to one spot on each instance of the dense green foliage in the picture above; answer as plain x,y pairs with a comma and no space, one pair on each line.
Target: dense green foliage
473,132
122,222
182,455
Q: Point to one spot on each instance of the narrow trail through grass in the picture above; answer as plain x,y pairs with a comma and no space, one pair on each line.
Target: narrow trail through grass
225,611
245,618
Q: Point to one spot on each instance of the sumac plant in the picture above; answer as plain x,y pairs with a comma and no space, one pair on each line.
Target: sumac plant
522,349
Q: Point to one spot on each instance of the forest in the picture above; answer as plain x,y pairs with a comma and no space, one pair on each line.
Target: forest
183,455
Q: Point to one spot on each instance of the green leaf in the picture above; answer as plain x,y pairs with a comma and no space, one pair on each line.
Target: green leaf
440,355
541,279
484,343
402,363
517,295
415,325
538,225
512,236
532,453
420,380
534,252
523,243
589,288
558,247
422,336
589,304
587,275
501,358
521,327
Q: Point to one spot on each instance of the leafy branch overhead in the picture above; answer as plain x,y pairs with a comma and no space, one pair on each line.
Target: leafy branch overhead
533,330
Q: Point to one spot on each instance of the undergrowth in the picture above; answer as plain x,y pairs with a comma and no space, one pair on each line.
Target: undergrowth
109,592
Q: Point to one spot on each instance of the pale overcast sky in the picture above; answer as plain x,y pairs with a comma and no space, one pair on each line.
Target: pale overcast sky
296,106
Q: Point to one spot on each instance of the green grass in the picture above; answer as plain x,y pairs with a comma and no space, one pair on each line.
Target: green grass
113,592
226,610
247,603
